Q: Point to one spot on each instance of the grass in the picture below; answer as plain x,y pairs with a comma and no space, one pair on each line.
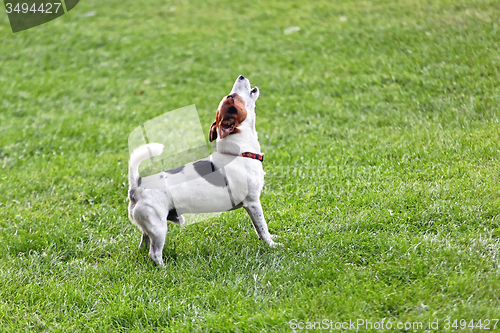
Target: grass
379,121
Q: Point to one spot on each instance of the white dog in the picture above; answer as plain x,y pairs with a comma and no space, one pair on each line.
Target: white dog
228,179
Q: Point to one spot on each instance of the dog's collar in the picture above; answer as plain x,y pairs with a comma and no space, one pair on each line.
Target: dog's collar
259,157
254,156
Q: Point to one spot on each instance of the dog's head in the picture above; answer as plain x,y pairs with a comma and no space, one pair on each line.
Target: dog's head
236,110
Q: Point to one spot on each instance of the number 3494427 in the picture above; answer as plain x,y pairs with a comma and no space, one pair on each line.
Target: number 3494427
47,8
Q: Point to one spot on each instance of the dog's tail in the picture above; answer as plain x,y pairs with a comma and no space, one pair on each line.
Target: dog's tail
138,155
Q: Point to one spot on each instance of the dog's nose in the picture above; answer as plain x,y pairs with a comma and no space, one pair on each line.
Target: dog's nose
241,77
230,96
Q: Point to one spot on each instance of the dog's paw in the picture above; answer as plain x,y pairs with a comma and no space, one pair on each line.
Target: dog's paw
157,259
274,236
274,244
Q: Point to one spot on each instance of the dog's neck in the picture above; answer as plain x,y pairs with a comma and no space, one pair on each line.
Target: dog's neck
238,143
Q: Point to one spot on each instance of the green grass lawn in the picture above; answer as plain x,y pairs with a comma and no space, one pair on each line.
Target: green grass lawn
380,125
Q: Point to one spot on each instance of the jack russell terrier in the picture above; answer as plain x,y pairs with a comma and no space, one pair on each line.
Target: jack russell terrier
230,178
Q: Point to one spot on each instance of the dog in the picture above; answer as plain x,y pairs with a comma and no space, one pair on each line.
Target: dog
230,178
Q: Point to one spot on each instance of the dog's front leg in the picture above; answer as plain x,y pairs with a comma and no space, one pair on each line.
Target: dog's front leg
254,209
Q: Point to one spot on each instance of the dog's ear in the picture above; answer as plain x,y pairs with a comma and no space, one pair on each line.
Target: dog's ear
213,132
228,126
254,93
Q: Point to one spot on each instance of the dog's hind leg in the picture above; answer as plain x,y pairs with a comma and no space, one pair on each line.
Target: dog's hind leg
154,229
256,213
144,241
157,241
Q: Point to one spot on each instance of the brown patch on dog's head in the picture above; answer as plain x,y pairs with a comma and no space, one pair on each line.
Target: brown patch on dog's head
230,114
